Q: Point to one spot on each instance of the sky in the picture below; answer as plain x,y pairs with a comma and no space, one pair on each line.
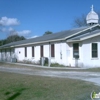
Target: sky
31,18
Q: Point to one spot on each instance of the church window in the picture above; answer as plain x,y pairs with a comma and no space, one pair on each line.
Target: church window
41,51
52,50
76,50
94,50
33,51
25,51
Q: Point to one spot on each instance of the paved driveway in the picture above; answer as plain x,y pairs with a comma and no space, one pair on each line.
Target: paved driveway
86,76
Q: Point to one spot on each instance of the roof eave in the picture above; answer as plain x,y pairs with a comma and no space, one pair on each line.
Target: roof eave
82,31
88,37
81,39
39,42
68,41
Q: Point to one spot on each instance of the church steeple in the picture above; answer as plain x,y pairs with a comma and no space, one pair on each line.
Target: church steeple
92,8
92,17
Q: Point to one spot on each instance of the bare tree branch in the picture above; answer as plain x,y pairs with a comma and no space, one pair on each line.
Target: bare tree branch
81,21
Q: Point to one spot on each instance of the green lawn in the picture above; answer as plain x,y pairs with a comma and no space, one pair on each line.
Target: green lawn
27,87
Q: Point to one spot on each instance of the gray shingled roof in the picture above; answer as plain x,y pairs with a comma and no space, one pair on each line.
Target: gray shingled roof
85,35
58,35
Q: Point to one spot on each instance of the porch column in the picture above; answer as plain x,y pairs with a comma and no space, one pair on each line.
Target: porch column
49,63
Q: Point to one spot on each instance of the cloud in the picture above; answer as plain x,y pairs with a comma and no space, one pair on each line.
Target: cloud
4,21
24,32
7,30
8,23
3,30
34,36
11,31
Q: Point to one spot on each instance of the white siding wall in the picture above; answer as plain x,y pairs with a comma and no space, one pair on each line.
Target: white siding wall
57,53
85,59
63,53
46,50
65,49
20,53
88,61
8,55
3,55
59,48
60,54
29,52
37,53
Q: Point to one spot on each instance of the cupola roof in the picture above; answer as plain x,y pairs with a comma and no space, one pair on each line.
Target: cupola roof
92,17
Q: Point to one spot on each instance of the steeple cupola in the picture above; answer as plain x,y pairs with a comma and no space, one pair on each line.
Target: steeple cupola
92,17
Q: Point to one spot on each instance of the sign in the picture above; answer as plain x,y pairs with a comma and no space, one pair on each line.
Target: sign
95,96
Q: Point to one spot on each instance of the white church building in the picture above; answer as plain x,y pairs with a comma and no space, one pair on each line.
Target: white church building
79,47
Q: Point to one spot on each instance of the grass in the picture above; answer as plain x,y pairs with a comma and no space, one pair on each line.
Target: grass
27,87
94,69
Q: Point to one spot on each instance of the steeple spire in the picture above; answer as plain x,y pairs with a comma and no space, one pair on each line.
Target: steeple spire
92,8
92,17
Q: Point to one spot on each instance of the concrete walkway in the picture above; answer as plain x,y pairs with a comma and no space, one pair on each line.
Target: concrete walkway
86,76
46,66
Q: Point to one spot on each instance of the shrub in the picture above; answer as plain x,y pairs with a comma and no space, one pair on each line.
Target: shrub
27,61
54,65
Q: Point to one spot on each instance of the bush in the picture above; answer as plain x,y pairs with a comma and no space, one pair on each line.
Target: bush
57,65
31,62
27,61
54,65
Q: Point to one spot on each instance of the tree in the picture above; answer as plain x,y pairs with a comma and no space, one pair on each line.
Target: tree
1,42
81,21
47,32
11,38
14,38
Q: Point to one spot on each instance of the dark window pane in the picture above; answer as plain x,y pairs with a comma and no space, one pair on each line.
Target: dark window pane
42,51
52,50
94,53
94,46
94,50
76,50
25,52
32,51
